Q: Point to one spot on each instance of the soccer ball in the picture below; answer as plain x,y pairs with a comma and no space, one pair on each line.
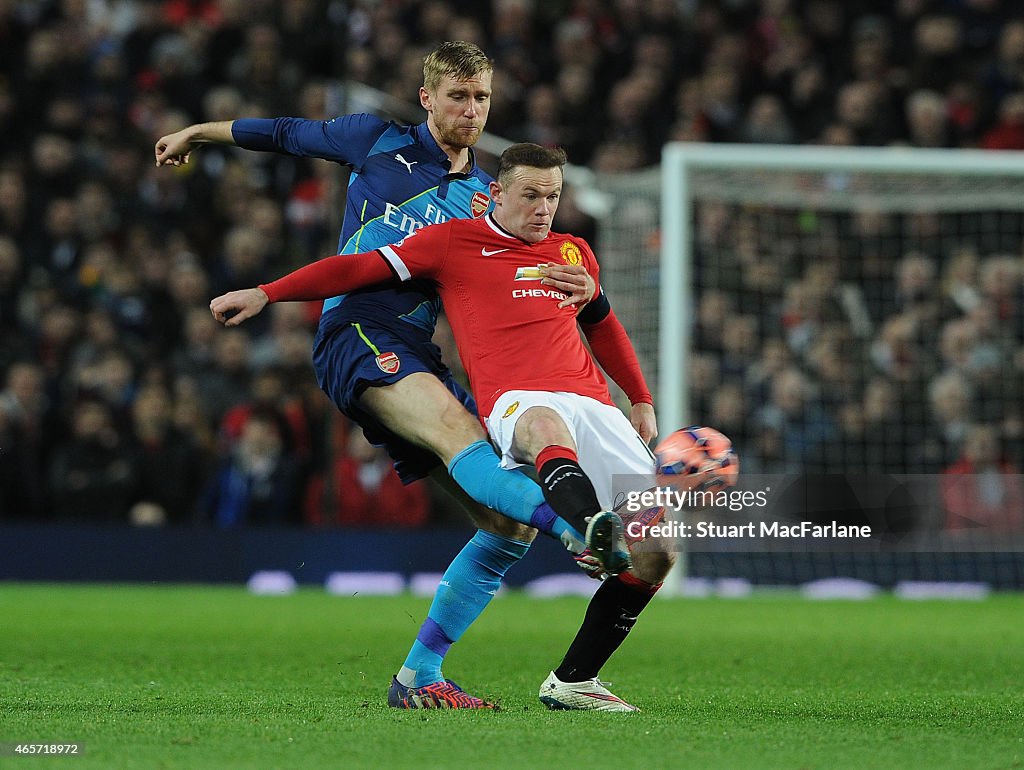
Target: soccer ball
697,458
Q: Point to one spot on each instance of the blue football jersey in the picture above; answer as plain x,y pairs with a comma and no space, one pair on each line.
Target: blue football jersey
400,181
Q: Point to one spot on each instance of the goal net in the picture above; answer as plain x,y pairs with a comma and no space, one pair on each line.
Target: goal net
853,319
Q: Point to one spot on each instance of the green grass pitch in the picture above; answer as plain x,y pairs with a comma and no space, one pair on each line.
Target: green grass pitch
204,677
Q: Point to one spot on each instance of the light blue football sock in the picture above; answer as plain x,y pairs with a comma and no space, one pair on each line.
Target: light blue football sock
477,469
469,583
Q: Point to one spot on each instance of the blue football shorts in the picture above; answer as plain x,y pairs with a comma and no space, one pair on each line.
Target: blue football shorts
350,357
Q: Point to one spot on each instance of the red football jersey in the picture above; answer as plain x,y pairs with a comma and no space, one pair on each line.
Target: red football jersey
509,329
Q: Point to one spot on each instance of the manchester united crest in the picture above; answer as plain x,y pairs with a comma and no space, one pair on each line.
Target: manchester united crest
511,409
571,253
478,204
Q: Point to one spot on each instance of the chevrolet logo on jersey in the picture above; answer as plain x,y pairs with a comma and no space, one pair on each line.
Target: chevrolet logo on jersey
571,253
551,293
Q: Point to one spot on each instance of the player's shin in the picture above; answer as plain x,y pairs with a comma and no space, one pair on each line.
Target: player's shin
570,492
468,585
610,617
477,469
566,487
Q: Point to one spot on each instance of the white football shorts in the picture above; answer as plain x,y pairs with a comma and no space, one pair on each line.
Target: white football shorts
610,451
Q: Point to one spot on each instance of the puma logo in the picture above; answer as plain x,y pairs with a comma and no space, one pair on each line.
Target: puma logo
406,163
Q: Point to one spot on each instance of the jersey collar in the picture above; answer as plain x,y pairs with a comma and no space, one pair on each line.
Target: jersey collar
427,140
489,219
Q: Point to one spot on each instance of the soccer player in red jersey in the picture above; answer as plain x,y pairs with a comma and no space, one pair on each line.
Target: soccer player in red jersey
543,398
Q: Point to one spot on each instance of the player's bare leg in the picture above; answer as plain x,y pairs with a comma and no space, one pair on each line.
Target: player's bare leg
542,438
652,560
420,409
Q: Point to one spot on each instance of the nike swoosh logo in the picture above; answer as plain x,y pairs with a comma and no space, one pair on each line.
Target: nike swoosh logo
487,253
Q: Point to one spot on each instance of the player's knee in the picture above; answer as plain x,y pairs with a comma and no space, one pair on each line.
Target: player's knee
513,530
539,427
503,526
652,566
451,432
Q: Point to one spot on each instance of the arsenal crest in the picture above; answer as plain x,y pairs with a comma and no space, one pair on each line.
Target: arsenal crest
388,363
478,204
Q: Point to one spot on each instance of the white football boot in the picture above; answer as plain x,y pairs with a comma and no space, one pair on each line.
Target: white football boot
591,695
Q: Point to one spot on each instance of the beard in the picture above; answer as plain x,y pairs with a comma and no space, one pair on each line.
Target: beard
452,135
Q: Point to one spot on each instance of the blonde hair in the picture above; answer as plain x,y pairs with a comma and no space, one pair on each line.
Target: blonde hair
457,59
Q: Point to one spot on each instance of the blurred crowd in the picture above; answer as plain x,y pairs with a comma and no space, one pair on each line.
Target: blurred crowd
122,400
868,343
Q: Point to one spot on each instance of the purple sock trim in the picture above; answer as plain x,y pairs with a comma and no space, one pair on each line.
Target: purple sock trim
433,637
543,518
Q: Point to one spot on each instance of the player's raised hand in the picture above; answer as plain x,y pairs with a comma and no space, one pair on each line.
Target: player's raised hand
644,422
236,306
173,149
572,279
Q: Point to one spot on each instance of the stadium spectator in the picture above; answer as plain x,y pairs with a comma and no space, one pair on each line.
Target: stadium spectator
271,395
887,414
286,323
227,379
982,490
365,492
170,465
950,397
766,122
1005,72
12,277
928,120
93,475
1008,133
257,483
31,427
729,412
938,57
795,414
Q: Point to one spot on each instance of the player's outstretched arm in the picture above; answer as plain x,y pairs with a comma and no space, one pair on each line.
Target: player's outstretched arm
235,307
572,279
327,278
175,149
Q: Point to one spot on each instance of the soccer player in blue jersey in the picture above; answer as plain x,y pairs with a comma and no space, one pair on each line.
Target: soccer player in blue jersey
373,352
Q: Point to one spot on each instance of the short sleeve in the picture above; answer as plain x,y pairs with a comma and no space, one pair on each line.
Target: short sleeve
422,254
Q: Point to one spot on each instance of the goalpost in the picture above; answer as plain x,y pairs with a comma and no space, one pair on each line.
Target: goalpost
850,268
